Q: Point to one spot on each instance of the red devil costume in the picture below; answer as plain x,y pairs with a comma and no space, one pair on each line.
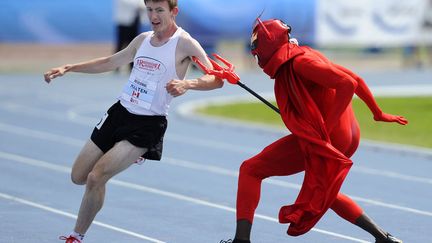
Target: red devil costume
314,98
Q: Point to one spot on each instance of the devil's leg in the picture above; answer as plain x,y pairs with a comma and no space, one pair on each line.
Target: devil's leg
280,158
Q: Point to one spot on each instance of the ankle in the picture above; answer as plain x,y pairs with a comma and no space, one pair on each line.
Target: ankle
241,241
77,235
243,231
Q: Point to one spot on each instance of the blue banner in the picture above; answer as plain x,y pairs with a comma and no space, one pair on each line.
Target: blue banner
75,21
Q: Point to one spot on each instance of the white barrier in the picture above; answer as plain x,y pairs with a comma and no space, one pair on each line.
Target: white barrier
374,22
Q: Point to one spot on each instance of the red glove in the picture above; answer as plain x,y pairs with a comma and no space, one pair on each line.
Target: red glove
390,118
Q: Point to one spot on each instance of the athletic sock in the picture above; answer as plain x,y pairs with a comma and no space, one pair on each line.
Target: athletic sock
77,235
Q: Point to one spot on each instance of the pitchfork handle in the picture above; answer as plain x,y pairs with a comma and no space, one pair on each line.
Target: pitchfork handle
258,96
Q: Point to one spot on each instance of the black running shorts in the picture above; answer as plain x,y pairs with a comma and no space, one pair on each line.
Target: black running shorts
142,131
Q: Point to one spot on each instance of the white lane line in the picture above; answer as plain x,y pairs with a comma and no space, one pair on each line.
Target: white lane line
365,170
196,141
177,196
73,216
45,114
226,172
392,206
21,131
218,206
402,90
90,122
222,171
391,174
199,142
74,117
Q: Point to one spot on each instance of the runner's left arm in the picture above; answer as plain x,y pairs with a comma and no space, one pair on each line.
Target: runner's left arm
206,82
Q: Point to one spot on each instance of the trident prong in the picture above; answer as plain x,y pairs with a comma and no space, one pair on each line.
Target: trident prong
229,74
219,71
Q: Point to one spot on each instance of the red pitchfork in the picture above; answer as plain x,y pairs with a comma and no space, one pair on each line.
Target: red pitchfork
229,74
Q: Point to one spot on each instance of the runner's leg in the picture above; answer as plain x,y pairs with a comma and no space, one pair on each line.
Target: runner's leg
117,159
85,162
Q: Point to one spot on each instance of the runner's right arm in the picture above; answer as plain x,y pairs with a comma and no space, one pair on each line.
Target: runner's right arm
99,65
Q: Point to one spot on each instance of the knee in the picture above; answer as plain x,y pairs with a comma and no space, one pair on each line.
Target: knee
346,208
245,168
248,168
78,178
94,180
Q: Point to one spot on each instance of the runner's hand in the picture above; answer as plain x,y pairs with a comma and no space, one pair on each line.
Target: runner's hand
176,87
56,72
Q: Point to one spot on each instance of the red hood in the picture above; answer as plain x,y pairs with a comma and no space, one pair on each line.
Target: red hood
281,56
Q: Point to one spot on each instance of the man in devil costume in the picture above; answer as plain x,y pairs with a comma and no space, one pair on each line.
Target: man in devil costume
314,97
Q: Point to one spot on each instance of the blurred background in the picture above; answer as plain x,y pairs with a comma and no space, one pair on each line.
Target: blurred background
369,34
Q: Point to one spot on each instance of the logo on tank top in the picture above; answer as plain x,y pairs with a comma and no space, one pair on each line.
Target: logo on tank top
147,64
142,87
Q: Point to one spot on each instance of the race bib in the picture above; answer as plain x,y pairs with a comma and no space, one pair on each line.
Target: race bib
143,81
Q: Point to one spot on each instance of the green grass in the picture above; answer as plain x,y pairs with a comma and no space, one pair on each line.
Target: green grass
418,111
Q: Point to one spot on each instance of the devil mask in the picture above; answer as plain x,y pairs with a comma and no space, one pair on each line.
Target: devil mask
267,38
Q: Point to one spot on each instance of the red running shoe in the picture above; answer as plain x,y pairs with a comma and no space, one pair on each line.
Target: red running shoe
69,239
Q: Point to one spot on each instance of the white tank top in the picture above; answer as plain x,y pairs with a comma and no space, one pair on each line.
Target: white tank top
153,68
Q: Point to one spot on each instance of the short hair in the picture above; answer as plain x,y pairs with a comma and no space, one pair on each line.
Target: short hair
171,3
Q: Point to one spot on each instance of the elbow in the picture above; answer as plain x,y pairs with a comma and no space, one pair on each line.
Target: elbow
350,85
353,85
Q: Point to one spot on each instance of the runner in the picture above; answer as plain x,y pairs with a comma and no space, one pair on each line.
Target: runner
135,125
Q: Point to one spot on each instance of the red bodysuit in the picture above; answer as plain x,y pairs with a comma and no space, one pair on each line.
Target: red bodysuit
314,98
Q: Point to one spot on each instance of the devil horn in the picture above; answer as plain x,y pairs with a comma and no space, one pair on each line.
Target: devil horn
268,34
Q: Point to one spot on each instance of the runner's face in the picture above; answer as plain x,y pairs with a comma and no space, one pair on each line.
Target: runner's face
160,16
